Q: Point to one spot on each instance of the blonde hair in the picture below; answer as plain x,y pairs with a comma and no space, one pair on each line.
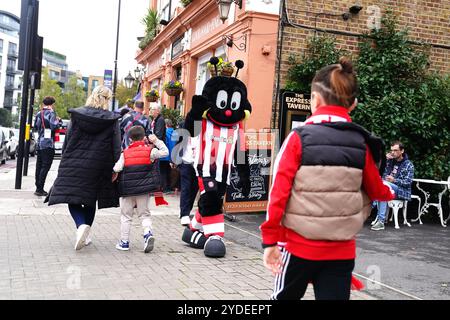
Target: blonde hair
99,98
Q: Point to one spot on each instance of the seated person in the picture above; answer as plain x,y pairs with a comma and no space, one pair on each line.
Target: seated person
398,175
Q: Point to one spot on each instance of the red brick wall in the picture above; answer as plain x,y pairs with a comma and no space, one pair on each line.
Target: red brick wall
428,22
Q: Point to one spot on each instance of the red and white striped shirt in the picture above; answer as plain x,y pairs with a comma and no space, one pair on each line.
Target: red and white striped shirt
216,148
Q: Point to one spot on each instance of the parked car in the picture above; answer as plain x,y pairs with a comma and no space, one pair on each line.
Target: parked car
12,142
32,141
3,150
60,135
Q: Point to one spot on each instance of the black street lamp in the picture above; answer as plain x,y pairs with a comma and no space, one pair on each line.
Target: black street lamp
224,8
115,61
129,81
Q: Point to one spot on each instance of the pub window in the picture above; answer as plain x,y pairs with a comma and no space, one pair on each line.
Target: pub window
177,47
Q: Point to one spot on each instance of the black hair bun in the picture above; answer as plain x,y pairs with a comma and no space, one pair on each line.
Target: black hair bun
346,64
214,60
239,64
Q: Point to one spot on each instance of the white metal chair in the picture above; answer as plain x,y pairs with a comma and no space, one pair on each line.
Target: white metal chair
395,205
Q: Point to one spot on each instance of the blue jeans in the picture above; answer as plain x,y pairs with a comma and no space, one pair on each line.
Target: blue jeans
82,214
382,205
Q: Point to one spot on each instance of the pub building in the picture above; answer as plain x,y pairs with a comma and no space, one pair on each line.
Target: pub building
188,36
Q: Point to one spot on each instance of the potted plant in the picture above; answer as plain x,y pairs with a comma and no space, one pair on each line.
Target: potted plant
130,103
224,68
152,95
173,88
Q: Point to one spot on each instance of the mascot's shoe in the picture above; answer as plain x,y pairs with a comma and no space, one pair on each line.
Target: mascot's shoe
195,239
215,247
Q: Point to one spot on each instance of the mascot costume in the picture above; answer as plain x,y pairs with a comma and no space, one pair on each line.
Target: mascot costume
217,118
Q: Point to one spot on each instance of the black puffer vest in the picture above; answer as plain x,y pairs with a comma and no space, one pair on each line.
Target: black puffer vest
140,175
327,201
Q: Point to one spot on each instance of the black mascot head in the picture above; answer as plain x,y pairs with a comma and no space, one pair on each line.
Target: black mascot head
226,98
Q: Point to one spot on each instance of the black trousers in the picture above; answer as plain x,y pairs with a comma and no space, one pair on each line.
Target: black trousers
188,188
331,279
164,167
43,164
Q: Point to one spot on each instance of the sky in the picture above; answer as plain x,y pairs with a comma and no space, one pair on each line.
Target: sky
85,32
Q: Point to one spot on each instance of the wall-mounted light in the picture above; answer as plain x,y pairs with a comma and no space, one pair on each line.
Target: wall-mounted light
353,10
231,41
224,8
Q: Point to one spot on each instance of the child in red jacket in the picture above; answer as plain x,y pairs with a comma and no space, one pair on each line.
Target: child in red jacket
325,177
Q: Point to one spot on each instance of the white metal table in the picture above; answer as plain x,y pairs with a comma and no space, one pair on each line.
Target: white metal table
427,195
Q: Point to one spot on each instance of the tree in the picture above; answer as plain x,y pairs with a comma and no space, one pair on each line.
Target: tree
5,118
50,87
401,100
74,95
123,93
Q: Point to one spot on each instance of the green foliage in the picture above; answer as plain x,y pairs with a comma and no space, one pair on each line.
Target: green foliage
50,87
400,100
123,94
173,115
151,22
320,52
5,118
74,95
185,2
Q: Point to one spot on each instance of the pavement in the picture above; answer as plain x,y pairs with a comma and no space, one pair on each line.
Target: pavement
38,261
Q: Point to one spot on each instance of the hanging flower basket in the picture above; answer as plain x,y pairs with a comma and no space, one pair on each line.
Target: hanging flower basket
173,88
174,91
151,98
152,95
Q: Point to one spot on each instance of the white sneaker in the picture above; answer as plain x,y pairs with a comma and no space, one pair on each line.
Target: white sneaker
374,221
82,233
88,241
185,221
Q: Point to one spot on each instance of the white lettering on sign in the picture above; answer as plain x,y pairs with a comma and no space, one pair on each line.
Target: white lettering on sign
297,102
153,66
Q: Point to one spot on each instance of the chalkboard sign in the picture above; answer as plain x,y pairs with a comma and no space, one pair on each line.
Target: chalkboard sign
260,159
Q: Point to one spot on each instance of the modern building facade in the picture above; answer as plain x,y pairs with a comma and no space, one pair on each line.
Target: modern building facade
92,82
57,66
9,52
195,33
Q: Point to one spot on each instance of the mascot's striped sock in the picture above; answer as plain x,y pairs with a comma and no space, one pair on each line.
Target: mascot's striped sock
214,225
196,222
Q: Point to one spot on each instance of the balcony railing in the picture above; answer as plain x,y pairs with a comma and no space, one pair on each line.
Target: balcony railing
13,54
8,103
10,70
11,87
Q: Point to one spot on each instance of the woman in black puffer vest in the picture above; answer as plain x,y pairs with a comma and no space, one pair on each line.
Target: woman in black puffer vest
91,148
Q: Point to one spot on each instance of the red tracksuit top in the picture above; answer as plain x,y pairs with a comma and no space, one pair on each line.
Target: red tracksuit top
286,166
